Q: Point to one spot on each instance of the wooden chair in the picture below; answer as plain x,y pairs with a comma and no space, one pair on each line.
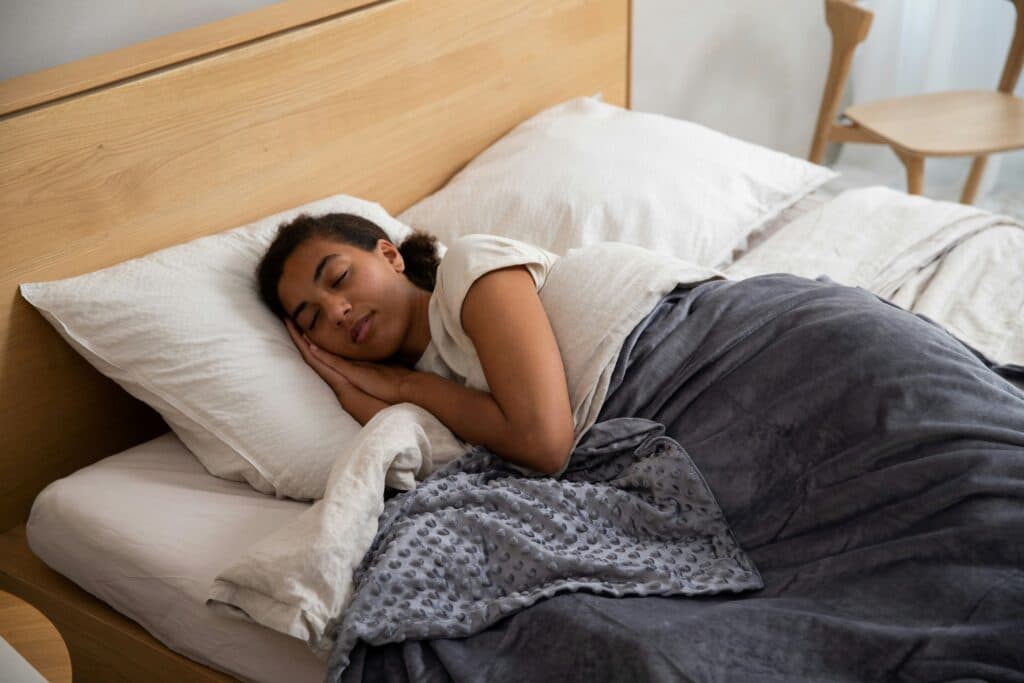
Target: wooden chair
972,123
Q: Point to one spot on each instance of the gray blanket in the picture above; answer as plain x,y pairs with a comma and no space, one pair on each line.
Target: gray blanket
870,464
477,541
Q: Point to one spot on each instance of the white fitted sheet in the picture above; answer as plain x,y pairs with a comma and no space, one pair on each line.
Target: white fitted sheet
146,531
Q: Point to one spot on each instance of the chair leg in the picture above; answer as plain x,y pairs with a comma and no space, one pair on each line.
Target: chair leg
973,180
915,171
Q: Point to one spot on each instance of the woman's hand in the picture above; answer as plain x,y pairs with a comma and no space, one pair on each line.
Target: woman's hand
327,371
376,379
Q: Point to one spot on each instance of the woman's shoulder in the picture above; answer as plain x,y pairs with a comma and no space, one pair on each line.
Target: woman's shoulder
470,256
476,245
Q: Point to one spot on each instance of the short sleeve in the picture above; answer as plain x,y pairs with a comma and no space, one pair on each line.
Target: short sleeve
472,256
467,259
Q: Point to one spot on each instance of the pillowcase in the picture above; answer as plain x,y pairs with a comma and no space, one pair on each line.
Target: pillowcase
183,330
586,171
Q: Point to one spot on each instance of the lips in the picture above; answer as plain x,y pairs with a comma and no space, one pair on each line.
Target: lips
361,328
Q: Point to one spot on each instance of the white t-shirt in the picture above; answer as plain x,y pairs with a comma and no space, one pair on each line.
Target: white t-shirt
593,296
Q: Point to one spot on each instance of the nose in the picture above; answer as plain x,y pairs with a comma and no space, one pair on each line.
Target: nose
337,310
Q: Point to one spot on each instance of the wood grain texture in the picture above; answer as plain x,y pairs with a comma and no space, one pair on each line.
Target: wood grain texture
385,103
110,67
960,123
105,647
120,155
32,635
1015,55
848,25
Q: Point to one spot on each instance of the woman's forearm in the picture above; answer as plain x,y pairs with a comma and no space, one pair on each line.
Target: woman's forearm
359,404
474,416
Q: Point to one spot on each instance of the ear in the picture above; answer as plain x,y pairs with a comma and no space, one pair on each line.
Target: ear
391,253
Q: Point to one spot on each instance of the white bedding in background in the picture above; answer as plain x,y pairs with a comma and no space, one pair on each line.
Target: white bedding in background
146,531
959,265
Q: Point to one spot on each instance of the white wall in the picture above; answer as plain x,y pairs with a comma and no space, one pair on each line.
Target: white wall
38,34
751,68
754,69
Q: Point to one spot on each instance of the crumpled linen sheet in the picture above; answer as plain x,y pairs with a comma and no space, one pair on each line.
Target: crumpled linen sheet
959,265
299,578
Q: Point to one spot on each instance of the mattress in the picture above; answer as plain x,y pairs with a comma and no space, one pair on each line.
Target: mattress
146,531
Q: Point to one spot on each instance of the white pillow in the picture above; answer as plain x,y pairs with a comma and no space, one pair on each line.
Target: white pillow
586,171
183,330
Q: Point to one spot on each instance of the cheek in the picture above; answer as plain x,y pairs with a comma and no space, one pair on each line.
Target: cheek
329,339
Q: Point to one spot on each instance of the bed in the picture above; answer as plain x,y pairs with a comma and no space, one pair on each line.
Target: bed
106,160
400,120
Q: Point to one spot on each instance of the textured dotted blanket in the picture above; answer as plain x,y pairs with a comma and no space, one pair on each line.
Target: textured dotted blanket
478,541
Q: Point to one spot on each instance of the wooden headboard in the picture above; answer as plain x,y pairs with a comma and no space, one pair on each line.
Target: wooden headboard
119,155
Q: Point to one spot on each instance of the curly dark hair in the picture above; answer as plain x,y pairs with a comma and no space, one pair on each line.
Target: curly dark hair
418,250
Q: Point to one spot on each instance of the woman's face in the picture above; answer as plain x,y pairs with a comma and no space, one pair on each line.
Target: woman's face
351,302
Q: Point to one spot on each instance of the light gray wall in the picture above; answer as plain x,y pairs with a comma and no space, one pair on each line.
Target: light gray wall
754,69
750,68
39,34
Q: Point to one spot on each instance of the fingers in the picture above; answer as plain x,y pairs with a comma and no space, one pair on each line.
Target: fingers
293,333
303,344
326,364
324,369
298,338
328,358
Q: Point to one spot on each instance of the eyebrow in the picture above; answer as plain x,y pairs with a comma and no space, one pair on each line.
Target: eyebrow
320,267
316,276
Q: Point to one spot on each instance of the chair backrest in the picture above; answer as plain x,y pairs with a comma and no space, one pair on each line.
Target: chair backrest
850,24
1015,58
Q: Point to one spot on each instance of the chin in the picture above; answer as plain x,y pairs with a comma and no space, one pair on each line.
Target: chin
375,355
372,353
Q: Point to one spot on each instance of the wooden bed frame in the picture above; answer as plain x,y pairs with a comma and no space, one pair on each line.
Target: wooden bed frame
121,154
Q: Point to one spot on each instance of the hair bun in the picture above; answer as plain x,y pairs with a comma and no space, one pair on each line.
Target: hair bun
419,251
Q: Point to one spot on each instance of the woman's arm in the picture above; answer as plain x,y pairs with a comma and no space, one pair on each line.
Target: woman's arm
359,404
527,417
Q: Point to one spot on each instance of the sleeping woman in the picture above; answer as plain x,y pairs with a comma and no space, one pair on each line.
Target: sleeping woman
515,348
467,337
870,463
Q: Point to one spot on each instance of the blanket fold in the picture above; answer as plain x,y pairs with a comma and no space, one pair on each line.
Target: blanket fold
298,578
478,541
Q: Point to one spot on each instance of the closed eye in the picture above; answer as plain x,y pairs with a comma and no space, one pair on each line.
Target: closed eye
312,323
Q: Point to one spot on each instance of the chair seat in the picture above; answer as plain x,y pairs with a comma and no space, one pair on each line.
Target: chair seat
960,123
